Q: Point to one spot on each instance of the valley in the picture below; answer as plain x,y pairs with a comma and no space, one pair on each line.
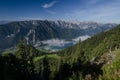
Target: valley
59,39
51,35
95,58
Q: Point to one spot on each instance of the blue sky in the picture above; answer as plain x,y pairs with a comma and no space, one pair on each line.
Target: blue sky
82,10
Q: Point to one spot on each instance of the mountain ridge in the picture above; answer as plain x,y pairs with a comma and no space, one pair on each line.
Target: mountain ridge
35,31
93,59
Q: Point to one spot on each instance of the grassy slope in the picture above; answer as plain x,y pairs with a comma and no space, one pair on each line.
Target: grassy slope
111,69
55,56
98,45
95,46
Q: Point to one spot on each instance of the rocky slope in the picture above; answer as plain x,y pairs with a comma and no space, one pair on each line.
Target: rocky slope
35,31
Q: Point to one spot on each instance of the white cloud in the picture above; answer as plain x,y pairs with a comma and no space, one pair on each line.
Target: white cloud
82,38
55,42
62,42
105,12
48,5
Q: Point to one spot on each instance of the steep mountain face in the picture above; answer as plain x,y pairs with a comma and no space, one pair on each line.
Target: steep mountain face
96,58
35,31
104,42
100,52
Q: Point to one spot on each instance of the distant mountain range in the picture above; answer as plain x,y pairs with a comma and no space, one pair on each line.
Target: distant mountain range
96,58
4,22
36,32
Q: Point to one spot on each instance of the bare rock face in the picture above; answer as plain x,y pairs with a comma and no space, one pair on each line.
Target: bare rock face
35,31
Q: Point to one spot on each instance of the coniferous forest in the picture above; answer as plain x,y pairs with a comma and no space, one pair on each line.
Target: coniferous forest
96,58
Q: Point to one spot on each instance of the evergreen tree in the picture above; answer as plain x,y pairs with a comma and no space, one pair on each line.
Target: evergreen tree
46,69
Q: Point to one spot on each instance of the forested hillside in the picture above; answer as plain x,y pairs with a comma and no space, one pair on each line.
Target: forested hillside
93,59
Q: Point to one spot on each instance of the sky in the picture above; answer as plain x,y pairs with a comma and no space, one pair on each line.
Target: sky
82,10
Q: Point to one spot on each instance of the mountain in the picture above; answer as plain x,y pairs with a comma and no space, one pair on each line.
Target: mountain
93,59
4,22
97,44
36,31
96,58
102,51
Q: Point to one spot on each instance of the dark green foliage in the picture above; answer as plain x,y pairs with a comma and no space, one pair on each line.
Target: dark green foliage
13,68
64,72
86,60
95,46
46,69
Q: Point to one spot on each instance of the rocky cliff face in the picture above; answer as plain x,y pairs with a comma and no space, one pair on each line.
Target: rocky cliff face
35,31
